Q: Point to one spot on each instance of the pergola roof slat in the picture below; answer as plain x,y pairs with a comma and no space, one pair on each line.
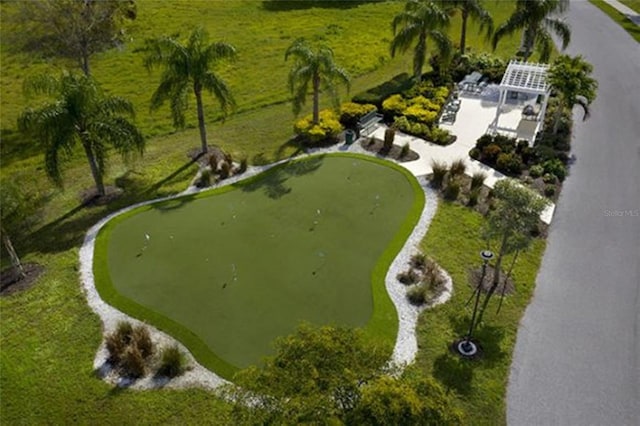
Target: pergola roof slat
526,77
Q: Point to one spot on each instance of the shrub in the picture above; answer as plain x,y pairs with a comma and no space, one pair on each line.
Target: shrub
408,277
172,362
441,136
484,141
549,178
555,167
116,348
474,194
509,163
244,163
133,364
536,171
458,167
544,153
205,179
477,180
394,105
550,190
490,153
416,295
439,172
418,261
405,150
351,112
225,169
505,143
389,136
474,153
141,339
420,114
213,163
327,129
452,190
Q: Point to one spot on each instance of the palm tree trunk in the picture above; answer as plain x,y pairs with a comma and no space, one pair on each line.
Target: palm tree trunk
13,256
419,56
316,98
203,129
557,117
496,278
463,32
95,170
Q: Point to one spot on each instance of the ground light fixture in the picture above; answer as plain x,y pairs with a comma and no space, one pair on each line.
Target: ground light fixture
466,347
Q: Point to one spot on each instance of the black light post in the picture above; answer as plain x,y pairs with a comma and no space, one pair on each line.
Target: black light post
466,347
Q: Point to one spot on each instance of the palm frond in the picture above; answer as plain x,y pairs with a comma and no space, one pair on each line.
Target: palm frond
215,85
559,28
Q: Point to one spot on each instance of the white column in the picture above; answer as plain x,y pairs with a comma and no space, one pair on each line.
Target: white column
501,98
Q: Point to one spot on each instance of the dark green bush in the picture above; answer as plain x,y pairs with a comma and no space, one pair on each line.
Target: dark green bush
458,167
490,153
408,277
555,167
549,178
172,362
474,153
452,190
205,179
477,180
536,171
509,163
244,163
550,190
441,136
483,141
439,172
544,153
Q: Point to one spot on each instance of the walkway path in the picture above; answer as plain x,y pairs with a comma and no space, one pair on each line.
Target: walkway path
577,355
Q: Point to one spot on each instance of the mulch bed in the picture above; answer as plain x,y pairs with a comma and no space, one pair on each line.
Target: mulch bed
377,146
505,286
10,283
90,197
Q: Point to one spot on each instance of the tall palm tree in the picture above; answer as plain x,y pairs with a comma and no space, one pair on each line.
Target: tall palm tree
468,9
81,113
534,18
318,68
188,68
570,79
421,20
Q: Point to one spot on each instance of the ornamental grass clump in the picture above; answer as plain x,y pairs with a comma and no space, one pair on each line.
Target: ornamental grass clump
439,172
172,362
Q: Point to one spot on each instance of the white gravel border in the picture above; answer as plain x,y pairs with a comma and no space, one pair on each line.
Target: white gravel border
197,376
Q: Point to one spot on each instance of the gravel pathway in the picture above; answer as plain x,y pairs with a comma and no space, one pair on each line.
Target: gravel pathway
197,376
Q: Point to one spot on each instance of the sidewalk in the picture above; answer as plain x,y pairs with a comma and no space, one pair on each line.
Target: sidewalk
625,10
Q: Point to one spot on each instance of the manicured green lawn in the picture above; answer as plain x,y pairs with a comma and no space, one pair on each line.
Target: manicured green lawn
231,270
632,4
454,242
621,19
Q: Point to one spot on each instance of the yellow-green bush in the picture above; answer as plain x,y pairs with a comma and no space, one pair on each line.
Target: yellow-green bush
424,103
351,112
419,113
394,105
326,130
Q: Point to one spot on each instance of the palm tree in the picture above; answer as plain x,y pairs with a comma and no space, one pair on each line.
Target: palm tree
80,113
468,9
318,68
420,21
570,79
533,18
188,67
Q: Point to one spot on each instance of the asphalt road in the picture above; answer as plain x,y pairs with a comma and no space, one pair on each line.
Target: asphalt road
576,360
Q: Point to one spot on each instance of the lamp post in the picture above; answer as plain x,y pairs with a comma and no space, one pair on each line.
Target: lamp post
466,347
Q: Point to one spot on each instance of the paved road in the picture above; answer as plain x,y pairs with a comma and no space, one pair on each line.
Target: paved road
576,361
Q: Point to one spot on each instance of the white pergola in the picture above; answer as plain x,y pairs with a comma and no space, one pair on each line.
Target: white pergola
524,77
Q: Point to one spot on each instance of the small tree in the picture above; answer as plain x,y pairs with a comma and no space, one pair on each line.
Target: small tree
315,376
318,68
188,67
420,21
570,77
73,29
517,212
82,113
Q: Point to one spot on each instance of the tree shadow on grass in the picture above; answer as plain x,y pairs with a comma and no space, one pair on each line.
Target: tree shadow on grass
454,373
68,230
284,5
274,182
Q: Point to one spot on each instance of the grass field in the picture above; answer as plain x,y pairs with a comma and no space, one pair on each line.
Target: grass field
481,385
243,265
48,335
